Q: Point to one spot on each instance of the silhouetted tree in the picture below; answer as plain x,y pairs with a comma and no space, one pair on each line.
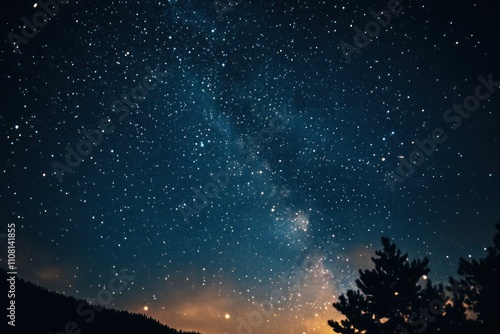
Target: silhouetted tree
481,286
388,295
390,299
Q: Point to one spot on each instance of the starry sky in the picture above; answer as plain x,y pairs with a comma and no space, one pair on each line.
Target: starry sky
253,170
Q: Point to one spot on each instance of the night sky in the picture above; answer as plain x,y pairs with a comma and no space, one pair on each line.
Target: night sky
244,157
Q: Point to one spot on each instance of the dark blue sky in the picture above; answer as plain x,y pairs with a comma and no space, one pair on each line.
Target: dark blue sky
284,144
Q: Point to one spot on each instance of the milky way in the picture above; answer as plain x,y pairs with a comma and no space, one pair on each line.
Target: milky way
235,158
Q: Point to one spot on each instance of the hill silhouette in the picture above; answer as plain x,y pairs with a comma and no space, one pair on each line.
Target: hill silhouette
39,310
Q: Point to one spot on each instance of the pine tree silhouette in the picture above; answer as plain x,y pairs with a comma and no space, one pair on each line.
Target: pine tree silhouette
391,300
481,282
387,297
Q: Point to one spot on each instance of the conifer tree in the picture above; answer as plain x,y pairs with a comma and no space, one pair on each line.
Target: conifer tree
481,279
388,295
